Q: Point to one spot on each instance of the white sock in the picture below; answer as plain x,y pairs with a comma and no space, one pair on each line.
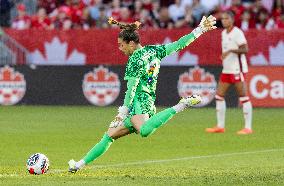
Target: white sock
179,107
247,111
220,112
80,164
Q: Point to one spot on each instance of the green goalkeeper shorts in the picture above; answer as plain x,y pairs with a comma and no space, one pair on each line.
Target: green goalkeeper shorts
143,103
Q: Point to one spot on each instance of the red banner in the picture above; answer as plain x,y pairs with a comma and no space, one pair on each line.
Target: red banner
266,86
79,47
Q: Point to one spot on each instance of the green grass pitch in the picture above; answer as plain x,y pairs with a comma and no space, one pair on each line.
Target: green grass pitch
179,153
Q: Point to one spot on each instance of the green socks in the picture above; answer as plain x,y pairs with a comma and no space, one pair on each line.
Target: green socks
156,121
98,149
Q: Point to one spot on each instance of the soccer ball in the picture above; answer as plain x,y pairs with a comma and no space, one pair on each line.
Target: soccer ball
37,164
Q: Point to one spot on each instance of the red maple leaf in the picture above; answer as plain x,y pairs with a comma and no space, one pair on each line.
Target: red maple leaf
7,74
197,75
101,75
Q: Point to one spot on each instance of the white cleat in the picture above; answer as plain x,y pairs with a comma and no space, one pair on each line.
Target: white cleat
72,167
191,100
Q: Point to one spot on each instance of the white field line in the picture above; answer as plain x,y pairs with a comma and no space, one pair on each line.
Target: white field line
160,161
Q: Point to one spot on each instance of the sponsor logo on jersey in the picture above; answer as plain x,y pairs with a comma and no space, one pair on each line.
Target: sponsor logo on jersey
101,87
197,81
12,86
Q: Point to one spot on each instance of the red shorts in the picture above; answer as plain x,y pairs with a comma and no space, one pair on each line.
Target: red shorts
232,78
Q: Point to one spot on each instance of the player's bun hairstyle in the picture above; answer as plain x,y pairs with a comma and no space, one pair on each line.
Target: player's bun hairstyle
129,31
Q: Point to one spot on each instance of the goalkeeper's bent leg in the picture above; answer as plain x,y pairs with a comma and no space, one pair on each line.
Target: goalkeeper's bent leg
162,117
156,121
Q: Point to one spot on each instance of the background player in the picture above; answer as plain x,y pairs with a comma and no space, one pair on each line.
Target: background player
234,48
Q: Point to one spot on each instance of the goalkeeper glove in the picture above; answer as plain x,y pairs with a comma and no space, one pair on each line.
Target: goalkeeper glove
205,25
122,113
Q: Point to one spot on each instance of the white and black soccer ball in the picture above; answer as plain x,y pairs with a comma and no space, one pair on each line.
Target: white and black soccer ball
37,164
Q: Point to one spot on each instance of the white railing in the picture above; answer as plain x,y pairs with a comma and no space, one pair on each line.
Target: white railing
11,52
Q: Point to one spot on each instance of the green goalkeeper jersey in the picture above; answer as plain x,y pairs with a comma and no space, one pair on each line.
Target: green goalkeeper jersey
143,67
144,64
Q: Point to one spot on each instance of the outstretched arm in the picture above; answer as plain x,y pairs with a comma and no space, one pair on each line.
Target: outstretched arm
205,25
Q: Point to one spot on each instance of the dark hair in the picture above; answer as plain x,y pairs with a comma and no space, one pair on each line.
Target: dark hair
230,13
128,32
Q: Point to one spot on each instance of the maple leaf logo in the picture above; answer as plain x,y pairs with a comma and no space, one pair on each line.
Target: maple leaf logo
276,56
197,81
56,54
101,87
12,86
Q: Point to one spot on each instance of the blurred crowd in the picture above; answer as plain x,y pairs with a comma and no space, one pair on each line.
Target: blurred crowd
168,14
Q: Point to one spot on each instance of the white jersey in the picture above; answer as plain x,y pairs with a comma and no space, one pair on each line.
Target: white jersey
234,63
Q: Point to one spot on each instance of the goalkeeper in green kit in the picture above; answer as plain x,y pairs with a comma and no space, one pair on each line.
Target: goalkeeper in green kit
138,113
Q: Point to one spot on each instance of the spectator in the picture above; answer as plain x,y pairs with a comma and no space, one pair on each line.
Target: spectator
94,9
127,3
256,8
125,15
154,14
138,6
87,3
87,21
63,19
210,5
22,21
5,7
246,21
225,4
198,10
41,20
280,22
67,24
237,8
48,5
247,3
278,9
263,21
145,19
185,3
164,19
114,11
176,11
76,13
148,5
267,4
217,12
102,21
188,20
